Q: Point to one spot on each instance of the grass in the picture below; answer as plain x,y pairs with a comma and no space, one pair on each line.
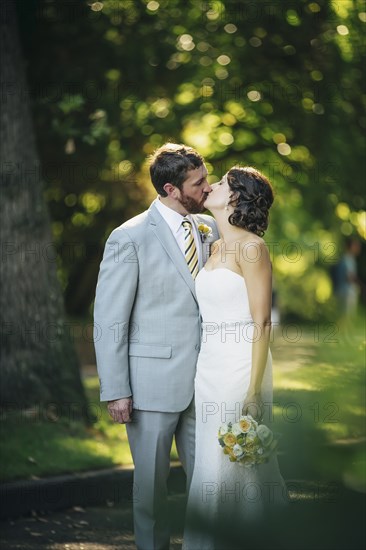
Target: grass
319,409
37,443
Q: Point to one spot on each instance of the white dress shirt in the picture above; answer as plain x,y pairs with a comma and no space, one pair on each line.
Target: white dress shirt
174,221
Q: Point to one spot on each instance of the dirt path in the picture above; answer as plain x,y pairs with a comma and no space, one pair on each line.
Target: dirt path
99,528
313,519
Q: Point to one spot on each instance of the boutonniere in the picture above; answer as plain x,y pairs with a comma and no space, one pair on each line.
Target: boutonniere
205,231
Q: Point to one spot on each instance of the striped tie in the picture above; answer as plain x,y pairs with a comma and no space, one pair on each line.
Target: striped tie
190,250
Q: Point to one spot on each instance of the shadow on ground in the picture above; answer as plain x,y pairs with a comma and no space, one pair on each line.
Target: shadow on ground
319,517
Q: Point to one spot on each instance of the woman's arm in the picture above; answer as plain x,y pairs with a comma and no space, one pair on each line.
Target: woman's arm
257,271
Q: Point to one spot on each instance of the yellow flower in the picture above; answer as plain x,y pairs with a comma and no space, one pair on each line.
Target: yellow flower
229,440
205,231
203,228
245,425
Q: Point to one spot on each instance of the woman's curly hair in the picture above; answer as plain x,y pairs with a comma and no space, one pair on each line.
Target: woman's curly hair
252,197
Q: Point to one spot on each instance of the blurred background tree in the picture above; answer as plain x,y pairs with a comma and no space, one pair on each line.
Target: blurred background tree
273,84
38,361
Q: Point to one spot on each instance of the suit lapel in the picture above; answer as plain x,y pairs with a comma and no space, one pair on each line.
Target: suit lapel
206,244
163,233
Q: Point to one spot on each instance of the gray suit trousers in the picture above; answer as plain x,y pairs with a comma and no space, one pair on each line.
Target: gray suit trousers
150,436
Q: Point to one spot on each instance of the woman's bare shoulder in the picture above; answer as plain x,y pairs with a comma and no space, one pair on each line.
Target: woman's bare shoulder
253,252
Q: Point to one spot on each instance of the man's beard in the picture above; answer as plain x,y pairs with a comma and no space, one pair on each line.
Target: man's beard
191,205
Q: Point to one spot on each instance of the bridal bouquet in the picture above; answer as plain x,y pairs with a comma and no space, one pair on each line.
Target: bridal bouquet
246,441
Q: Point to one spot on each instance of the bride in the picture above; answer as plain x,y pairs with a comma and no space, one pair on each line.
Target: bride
234,369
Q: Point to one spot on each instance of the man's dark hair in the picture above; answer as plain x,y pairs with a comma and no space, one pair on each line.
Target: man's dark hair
170,164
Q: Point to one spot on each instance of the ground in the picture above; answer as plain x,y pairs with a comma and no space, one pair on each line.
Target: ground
327,508
316,519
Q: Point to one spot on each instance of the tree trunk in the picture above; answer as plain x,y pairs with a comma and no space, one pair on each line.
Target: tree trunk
39,365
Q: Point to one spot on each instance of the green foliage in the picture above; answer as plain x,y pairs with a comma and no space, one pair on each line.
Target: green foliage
41,442
277,85
320,402
319,408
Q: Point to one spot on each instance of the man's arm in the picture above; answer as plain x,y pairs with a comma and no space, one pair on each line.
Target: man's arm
115,294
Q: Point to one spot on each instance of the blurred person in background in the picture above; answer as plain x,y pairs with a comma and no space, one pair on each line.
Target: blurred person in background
346,284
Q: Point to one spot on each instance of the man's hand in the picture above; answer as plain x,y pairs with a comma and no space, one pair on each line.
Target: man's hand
121,410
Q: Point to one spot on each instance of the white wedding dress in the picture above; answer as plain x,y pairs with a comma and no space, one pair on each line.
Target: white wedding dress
222,492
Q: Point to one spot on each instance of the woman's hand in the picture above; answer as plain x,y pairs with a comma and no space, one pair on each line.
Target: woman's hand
254,406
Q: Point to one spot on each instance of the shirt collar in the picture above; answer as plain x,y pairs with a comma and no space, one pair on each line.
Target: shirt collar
172,218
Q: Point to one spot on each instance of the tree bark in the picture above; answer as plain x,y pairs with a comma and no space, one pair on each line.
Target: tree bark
38,361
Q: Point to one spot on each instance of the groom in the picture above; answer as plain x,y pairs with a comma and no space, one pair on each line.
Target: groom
147,330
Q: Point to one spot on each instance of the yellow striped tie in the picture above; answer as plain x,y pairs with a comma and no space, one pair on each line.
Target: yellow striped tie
190,250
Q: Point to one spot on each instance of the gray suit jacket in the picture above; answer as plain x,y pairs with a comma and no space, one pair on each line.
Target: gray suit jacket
147,326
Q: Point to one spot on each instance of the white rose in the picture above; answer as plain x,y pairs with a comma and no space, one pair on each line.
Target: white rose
224,429
238,451
236,429
254,423
265,435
